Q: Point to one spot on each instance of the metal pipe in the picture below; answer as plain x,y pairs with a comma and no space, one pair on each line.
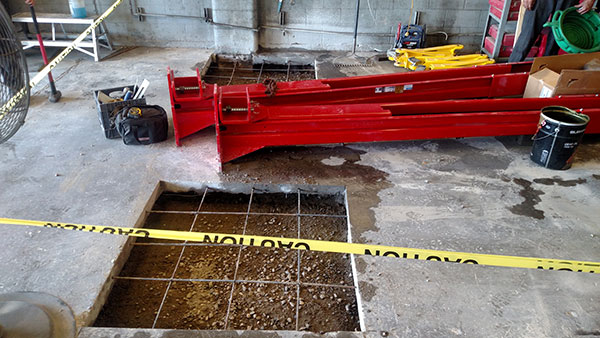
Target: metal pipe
356,26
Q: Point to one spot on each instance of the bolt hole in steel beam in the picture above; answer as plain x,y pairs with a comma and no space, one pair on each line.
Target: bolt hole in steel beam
179,285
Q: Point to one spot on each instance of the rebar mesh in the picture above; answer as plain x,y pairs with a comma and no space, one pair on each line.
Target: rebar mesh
13,79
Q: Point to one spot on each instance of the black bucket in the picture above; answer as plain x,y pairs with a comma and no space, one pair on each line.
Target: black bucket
559,132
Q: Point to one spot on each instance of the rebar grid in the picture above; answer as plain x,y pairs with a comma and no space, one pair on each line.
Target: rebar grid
240,213
235,68
176,265
158,279
298,283
298,274
262,66
232,72
237,263
281,70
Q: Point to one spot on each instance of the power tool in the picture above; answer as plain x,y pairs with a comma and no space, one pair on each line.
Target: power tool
410,36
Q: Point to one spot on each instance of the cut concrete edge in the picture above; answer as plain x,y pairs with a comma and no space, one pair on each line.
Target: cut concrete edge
212,59
244,188
359,306
89,317
104,332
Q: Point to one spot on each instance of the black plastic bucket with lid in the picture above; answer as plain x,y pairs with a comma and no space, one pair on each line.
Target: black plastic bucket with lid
559,132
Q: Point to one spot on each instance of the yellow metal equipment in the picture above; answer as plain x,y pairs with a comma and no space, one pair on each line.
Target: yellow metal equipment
441,57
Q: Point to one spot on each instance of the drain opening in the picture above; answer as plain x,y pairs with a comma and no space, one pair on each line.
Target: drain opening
175,285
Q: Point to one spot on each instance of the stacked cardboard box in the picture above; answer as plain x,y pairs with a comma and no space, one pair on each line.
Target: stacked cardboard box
571,74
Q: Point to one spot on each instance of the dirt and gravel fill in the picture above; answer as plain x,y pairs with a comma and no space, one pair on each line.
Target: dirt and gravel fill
325,268
207,262
163,221
246,73
322,205
195,306
225,202
324,309
222,224
268,303
263,307
324,228
274,226
274,203
132,303
188,201
151,261
275,264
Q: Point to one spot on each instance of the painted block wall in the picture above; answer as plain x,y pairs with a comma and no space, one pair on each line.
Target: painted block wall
309,23
126,29
463,20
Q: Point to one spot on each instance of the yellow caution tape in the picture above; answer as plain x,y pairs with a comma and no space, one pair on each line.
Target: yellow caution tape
326,246
10,104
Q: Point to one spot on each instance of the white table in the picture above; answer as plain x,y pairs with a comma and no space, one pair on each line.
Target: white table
99,36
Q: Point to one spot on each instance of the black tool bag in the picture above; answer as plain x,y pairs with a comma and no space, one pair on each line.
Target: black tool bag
142,124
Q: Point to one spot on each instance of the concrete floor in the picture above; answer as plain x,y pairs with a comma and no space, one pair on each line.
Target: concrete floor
474,195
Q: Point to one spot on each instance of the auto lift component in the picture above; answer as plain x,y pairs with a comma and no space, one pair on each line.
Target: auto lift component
470,102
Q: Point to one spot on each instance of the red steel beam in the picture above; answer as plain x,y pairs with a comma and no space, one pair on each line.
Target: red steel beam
192,108
392,123
392,107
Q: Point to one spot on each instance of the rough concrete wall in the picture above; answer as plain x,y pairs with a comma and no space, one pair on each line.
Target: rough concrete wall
463,20
235,40
125,29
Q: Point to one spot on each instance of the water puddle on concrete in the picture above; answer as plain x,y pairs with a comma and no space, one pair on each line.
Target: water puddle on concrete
174,285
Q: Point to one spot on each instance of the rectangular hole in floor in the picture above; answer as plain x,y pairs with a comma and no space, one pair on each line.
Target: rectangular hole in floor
231,72
179,285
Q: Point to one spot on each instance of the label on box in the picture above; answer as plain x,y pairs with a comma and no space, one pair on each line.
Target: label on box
546,92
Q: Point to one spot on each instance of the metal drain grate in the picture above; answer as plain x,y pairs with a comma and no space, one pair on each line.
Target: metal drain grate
166,284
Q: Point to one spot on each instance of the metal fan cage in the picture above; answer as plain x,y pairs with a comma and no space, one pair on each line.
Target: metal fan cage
13,79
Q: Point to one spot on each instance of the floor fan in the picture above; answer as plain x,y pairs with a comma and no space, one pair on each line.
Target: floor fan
14,79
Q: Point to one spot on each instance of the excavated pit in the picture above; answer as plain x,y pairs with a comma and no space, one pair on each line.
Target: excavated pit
176,285
232,72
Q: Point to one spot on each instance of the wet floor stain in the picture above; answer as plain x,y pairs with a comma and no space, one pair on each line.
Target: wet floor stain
304,165
456,156
532,198
559,181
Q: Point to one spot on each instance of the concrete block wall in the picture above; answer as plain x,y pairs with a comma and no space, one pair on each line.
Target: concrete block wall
235,40
126,29
463,20
310,24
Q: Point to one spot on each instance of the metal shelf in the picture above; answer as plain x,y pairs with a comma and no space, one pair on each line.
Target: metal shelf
504,26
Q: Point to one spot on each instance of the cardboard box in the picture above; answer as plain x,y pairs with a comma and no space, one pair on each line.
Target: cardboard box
562,75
